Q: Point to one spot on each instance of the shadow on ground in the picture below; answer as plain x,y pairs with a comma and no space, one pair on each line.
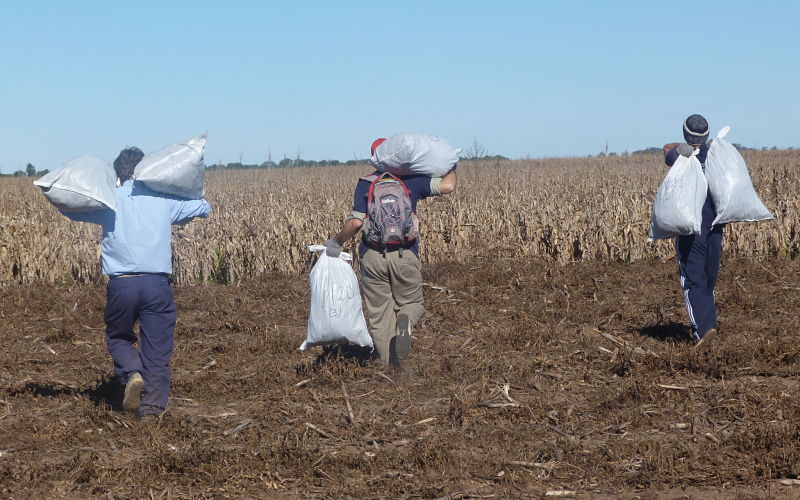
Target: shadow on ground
106,392
667,332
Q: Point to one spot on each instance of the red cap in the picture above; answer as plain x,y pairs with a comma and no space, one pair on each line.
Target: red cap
375,144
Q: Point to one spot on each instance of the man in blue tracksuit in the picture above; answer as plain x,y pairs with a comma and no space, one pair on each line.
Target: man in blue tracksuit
137,257
698,255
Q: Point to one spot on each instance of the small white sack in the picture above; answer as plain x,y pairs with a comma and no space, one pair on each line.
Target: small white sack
177,169
729,182
82,184
336,316
678,207
415,154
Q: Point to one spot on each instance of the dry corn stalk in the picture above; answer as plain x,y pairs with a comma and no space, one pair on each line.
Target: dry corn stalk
566,210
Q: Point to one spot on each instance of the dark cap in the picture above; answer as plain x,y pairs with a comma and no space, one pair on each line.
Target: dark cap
695,130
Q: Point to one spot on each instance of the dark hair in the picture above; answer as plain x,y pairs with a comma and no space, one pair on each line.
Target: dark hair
695,130
126,162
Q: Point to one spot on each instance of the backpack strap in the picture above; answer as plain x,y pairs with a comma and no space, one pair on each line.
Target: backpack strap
372,179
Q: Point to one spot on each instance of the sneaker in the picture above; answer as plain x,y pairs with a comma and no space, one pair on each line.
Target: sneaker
133,392
704,344
402,341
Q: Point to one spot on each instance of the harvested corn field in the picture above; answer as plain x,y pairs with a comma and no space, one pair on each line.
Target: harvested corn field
554,358
526,377
564,210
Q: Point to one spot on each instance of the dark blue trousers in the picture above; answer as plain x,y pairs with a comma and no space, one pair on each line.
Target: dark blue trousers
698,260
148,299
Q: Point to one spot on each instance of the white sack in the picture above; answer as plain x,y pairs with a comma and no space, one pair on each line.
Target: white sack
678,207
729,182
176,169
83,184
415,154
335,316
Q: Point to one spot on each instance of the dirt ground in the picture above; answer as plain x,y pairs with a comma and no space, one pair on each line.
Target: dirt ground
527,380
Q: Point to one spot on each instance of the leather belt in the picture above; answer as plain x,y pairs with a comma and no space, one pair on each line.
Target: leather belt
134,275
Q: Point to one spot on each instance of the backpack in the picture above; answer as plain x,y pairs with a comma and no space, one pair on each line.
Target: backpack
391,222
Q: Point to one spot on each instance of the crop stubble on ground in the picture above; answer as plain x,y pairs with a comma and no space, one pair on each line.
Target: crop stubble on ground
526,377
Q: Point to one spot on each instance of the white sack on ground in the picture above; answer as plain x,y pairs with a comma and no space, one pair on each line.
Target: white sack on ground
678,207
729,182
415,154
83,184
336,316
177,169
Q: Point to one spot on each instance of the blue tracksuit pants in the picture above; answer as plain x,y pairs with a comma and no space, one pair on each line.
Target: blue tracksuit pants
698,261
148,299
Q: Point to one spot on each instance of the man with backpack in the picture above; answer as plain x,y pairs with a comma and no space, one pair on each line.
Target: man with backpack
137,257
385,206
698,254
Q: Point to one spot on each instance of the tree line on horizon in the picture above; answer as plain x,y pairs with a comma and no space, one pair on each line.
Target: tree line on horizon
475,152
30,171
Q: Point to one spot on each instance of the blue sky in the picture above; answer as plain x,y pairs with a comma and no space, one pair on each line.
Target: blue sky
325,78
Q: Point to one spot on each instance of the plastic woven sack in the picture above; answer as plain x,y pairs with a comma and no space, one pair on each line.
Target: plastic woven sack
415,154
729,182
177,169
678,206
83,184
335,316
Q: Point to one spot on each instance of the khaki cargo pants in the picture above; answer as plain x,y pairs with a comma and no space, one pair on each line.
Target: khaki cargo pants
392,285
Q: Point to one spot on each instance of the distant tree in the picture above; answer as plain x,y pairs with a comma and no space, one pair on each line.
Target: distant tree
19,173
42,172
652,150
475,151
30,170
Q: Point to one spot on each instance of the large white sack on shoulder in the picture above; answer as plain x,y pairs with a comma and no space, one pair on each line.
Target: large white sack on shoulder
415,154
335,316
678,206
177,169
729,182
82,184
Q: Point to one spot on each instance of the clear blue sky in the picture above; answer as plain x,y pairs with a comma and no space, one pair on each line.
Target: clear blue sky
327,77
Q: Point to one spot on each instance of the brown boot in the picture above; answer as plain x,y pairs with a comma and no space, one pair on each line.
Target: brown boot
133,392
704,344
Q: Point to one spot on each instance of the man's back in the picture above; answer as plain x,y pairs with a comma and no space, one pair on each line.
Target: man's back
137,237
